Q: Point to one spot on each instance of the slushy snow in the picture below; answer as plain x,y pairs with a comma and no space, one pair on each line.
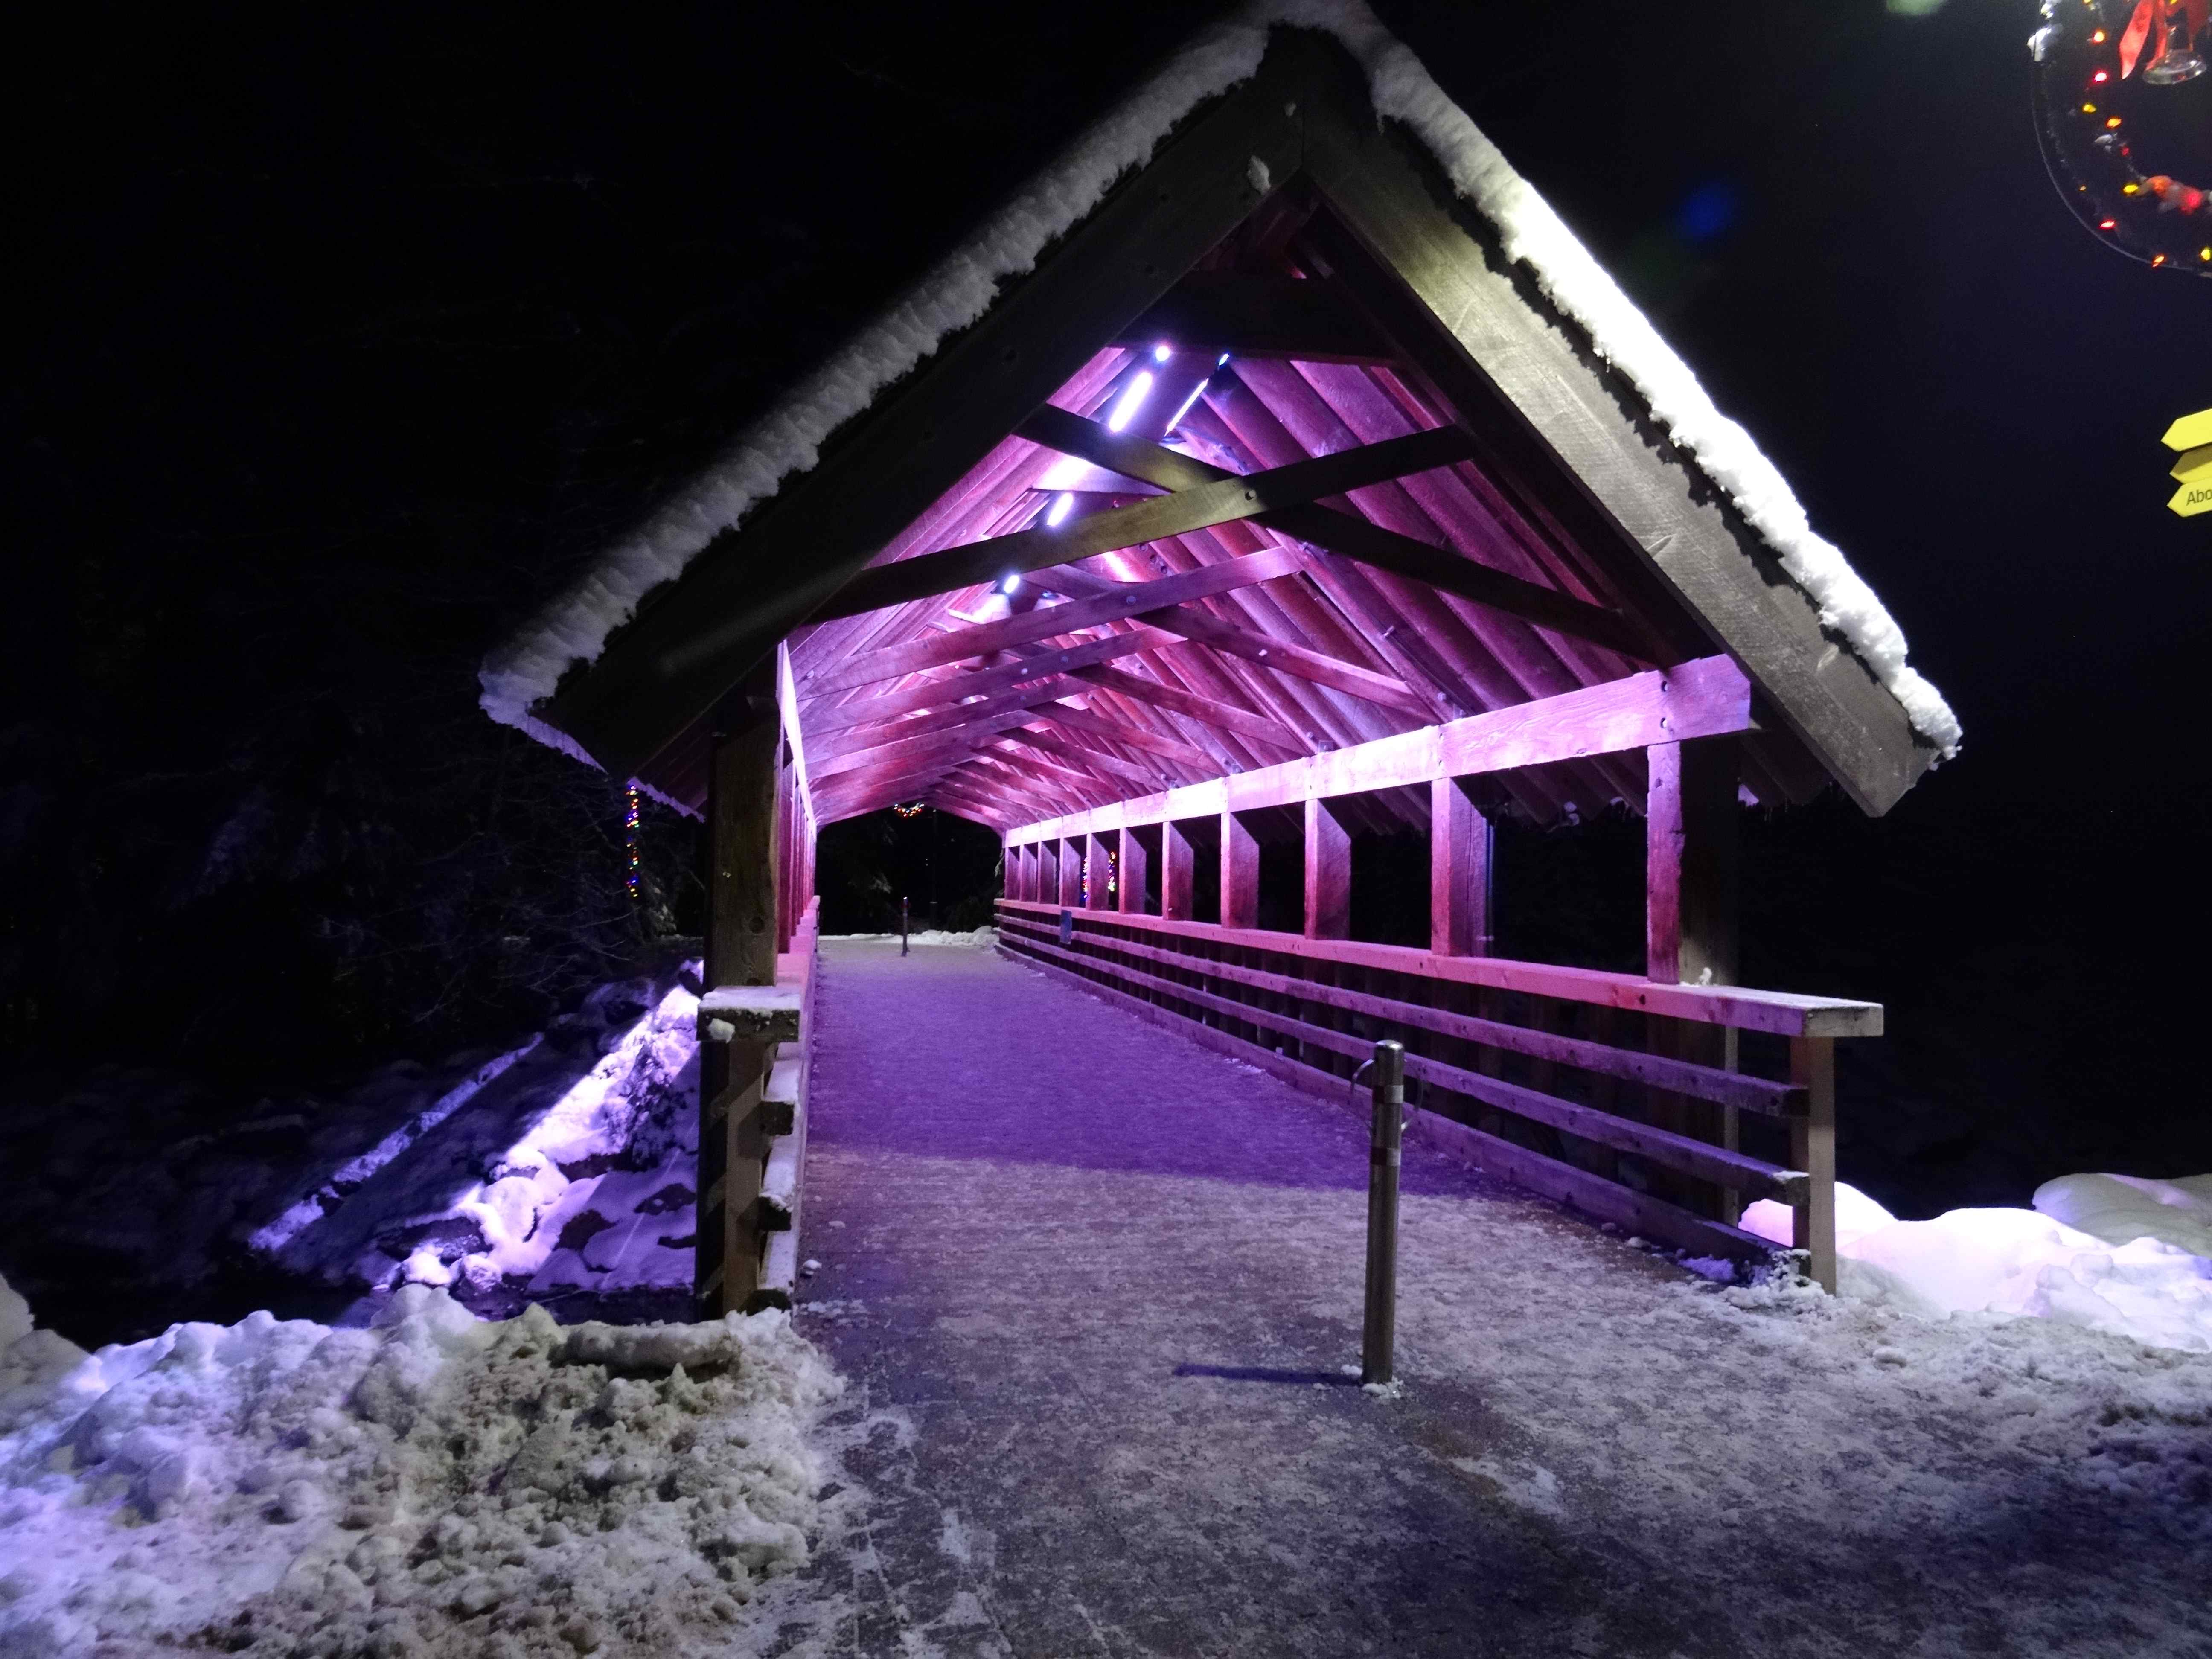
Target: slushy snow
2112,1253
432,1486
960,290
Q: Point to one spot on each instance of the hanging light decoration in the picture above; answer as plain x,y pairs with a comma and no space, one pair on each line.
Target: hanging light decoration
2084,60
631,866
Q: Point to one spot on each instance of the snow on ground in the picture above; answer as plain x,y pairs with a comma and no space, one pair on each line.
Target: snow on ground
789,438
431,1485
979,939
2136,1264
586,1184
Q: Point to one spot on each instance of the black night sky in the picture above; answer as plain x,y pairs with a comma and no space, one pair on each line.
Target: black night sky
348,338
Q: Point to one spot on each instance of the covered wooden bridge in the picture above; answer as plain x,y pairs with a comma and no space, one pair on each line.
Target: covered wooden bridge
1276,468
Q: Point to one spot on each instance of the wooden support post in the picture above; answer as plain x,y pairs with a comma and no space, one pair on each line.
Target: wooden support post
1459,849
741,950
1240,874
787,917
1689,914
1328,873
1071,873
1132,872
1178,873
1096,864
1813,1149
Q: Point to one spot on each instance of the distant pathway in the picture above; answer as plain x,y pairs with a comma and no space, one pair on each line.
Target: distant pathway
1094,1285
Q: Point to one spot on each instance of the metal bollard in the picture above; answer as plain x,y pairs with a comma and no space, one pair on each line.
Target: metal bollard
1378,1337
902,926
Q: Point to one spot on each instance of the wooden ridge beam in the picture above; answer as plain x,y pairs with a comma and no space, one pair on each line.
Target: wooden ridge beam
1348,534
1215,502
1708,697
1047,622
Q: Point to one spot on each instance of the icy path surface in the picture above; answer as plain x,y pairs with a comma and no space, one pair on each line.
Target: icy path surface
1093,1286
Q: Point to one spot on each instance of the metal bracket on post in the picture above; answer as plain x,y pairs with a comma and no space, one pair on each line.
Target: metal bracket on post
1378,1335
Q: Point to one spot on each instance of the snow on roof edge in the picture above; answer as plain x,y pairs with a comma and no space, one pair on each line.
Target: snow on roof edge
962,287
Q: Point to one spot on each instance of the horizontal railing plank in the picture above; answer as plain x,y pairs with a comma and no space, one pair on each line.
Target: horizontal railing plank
1592,1195
1765,1096
1781,1013
1682,1153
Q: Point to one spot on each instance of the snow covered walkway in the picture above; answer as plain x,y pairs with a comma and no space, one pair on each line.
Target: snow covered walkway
1094,1285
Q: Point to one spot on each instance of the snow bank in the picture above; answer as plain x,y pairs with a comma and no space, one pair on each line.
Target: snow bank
433,1486
788,440
2126,1278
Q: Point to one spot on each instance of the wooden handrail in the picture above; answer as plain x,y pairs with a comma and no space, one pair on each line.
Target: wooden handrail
1781,1013
1765,1096
1679,1152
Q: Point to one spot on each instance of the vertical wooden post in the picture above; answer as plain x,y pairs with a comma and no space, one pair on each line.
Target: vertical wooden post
1690,894
1813,1149
1132,872
1240,874
1690,911
1178,873
787,917
1459,873
1329,873
1010,870
741,950
1071,874
1096,863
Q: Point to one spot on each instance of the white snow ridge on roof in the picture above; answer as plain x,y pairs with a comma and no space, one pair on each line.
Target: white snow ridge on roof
959,291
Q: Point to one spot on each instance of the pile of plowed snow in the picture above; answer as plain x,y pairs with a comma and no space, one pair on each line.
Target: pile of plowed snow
2113,1253
434,1484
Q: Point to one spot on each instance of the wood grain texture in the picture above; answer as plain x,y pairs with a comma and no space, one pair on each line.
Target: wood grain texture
1703,698
1458,871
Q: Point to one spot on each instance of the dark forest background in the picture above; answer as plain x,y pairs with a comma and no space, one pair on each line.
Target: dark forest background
348,338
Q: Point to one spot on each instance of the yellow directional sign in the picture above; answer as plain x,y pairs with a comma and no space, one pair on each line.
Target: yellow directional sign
2195,467
2191,431
2194,496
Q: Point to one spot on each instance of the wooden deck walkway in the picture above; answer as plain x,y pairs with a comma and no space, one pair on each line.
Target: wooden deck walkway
1096,1286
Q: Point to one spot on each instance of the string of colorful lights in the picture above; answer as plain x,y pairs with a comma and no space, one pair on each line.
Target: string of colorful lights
629,840
2083,63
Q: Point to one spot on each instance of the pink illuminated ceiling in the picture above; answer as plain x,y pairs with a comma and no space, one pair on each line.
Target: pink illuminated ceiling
1325,651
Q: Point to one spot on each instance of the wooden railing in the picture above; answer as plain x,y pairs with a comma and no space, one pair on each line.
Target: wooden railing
747,1216
1624,1097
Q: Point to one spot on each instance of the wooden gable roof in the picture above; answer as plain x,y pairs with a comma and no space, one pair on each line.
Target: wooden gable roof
1366,477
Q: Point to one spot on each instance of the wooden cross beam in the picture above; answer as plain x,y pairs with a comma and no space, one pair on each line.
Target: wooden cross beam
1281,655
1211,502
1206,711
823,718
1049,622
1707,697
1354,537
1084,754
865,740
1093,724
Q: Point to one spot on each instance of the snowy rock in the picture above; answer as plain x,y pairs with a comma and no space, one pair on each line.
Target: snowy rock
2120,1209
